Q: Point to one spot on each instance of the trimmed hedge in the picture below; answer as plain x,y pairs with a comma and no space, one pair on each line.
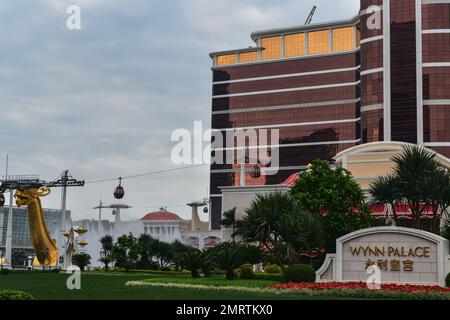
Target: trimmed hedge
159,272
272,268
267,276
15,295
245,271
447,281
300,273
29,271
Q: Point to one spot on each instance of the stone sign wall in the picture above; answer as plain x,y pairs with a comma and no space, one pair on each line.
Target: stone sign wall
403,255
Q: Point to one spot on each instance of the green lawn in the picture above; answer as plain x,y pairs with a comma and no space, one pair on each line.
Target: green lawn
109,287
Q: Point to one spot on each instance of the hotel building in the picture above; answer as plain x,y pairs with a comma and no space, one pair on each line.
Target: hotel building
20,234
383,75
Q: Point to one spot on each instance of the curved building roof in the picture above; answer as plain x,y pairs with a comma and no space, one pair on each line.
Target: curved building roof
161,215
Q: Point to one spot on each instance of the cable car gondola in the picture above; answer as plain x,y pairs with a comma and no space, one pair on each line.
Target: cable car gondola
119,192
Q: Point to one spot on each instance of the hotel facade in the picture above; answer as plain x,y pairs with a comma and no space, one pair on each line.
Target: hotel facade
383,75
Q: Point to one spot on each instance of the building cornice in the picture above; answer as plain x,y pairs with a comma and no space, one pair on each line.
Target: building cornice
305,28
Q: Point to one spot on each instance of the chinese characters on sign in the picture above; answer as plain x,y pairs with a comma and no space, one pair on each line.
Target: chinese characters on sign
396,253
394,265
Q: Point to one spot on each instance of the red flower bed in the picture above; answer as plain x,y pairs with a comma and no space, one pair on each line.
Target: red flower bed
390,287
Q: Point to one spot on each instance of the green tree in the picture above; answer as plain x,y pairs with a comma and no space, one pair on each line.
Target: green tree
412,168
82,260
418,181
384,190
275,222
229,220
227,257
445,230
126,252
179,249
146,250
194,260
333,197
106,254
437,196
163,253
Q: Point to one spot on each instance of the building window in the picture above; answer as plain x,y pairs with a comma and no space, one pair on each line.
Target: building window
343,39
358,38
248,57
271,48
226,59
294,45
319,42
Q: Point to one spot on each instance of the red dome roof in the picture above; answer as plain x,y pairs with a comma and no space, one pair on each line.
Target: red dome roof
161,215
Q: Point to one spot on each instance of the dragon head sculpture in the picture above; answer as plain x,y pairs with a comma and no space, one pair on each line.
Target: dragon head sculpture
27,196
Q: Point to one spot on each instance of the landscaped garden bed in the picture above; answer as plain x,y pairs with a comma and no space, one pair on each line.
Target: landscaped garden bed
360,290
212,282
331,289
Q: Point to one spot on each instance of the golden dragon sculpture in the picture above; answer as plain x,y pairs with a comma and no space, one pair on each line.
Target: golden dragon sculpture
44,246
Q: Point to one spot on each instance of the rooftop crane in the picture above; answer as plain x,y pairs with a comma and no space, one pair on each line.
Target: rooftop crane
311,14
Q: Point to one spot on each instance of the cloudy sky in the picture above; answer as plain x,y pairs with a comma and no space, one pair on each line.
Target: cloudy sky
103,101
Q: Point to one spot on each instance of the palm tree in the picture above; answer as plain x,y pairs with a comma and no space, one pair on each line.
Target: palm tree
412,168
276,223
229,220
81,260
438,195
227,256
194,260
384,190
417,180
107,246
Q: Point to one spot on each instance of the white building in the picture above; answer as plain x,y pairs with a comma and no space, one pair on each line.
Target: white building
162,225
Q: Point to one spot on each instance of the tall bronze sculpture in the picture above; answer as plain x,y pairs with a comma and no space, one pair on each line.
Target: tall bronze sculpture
28,193
44,246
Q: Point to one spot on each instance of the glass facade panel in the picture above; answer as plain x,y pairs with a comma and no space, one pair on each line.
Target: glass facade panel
343,39
294,45
248,57
286,67
372,126
403,71
436,16
226,59
436,83
372,55
372,89
283,116
319,42
358,38
285,83
436,120
436,47
271,48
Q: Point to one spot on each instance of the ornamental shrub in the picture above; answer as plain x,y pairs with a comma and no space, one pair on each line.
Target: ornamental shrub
300,273
15,295
245,271
272,268
447,281
267,276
